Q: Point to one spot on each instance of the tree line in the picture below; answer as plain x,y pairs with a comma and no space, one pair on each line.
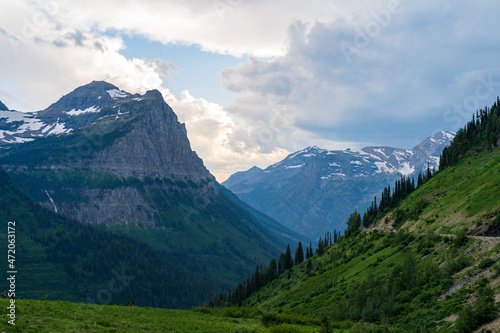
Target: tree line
390,197
90,258
479,133
276,268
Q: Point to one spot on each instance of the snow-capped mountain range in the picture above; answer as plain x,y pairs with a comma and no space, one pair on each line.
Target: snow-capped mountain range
314,189
74,110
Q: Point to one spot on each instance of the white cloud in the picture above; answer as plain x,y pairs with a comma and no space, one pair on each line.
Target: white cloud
214,135
343,72
49,48
236,27
372,70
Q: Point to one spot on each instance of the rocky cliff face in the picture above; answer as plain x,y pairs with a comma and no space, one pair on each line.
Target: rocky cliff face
125,161
132,136
156,146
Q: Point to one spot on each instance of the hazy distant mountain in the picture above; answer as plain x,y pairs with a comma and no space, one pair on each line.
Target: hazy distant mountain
314,190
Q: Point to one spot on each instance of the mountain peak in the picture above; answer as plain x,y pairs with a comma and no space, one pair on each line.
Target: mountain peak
89,98
3,107
99,85
153,94
448,134
314,149
434,144
307,152
254,169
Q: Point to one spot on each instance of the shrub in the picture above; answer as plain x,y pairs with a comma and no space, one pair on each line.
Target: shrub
460,238
496,269
486,263
482,311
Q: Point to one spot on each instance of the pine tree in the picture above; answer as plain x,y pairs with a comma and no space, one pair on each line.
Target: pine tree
272,270
309,267
281,264
299,254
288,258
320,247
257,279
354,223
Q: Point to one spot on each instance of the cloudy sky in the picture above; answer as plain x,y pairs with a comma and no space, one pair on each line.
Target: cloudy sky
254,80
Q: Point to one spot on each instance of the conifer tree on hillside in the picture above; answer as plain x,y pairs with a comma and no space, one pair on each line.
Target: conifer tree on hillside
288,258
482,132
354,223
299,254
272,270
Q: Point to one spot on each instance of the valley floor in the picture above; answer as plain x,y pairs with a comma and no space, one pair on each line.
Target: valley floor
59,316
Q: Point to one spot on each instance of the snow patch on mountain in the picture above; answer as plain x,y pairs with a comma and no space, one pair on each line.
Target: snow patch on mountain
30,124
92,109
449,135
383,167
380,151
295,166
116,93
334,174
406,170
14,139
57,128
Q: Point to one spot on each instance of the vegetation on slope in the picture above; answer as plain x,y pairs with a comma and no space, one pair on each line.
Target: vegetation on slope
396,281
427,276
67,260
59,316
463,196
224,247
481,133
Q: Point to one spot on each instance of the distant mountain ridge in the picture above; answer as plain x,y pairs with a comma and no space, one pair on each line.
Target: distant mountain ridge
312,190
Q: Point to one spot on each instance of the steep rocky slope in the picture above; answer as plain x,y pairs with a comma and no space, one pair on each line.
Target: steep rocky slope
128,164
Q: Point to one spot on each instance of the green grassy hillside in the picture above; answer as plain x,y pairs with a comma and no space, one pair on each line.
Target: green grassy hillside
417,279
58,316
466,195
392,279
